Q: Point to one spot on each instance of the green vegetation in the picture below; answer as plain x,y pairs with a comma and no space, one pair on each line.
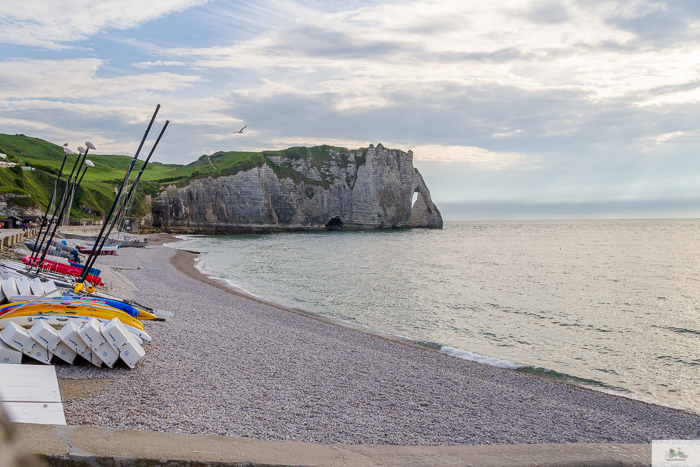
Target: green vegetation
22,202
96,194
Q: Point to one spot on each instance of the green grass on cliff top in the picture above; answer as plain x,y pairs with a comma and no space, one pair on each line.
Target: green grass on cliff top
96,193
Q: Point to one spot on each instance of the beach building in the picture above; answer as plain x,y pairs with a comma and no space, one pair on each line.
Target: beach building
15,222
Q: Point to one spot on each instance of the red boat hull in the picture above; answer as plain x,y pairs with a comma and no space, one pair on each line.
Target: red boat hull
64,269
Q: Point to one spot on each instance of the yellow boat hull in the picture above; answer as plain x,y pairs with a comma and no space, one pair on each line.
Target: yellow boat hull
88,309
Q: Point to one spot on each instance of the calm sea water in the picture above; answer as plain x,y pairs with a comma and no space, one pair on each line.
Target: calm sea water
608,304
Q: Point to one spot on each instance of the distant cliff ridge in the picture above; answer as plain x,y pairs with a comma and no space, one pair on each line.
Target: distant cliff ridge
308,189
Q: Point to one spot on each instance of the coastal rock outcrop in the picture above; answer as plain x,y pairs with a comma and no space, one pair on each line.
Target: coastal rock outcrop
372,188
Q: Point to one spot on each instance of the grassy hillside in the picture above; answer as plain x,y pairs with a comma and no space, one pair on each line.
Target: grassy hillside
96,194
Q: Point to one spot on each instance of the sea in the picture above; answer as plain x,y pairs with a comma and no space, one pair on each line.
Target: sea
612,305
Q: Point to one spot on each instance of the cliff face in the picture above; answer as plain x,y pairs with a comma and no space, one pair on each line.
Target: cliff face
343,191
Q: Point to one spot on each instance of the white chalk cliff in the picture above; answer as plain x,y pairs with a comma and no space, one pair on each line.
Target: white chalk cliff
368,189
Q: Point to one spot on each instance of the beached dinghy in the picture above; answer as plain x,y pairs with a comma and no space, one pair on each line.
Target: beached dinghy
56,259
23,286
48,290
123,342
8,355
92,335
106,250
58,321
54,296
48,338
63,245
63,269
29,298
17,269
37,287
68,305
71,337
89,239
32,245
57,313
137,313
93,271
49,286
19,339
9,287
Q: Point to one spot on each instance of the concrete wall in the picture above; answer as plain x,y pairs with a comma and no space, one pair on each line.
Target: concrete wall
9,240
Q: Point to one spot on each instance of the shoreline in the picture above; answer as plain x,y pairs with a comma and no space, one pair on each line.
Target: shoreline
185,262
228,365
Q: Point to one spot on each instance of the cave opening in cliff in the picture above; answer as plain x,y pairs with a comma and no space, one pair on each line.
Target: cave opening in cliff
335,223
414,199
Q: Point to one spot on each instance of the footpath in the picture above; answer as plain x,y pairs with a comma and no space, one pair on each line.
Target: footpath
89,446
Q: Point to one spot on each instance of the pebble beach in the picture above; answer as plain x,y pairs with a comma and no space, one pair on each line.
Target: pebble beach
232,365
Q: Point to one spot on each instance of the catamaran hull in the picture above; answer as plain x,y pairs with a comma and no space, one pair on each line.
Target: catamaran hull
58,321
106,250
63,269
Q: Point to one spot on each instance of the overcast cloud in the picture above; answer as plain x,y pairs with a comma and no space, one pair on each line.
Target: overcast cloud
585,108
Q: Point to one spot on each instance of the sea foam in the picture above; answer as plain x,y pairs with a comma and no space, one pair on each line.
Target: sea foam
475,357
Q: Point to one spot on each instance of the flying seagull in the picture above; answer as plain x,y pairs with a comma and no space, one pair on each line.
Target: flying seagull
241,130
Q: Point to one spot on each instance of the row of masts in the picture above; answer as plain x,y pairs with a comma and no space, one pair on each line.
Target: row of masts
58,208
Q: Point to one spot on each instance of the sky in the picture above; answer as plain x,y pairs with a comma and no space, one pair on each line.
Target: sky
514,109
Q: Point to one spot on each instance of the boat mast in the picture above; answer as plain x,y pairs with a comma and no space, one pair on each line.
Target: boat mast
93,252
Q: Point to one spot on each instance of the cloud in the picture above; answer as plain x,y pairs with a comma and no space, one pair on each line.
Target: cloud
505,99
24,124
479,157
77,79
661,23
548,12
52,24
158,63
316,141
568,47
507,134
671,136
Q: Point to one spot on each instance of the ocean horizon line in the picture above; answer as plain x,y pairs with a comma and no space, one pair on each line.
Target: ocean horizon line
587,210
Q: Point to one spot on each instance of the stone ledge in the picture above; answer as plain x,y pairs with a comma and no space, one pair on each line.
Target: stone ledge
82,445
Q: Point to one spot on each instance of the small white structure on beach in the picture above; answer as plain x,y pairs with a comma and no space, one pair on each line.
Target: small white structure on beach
30,394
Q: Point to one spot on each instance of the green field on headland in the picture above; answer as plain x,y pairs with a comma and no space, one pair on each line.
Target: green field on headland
96,193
